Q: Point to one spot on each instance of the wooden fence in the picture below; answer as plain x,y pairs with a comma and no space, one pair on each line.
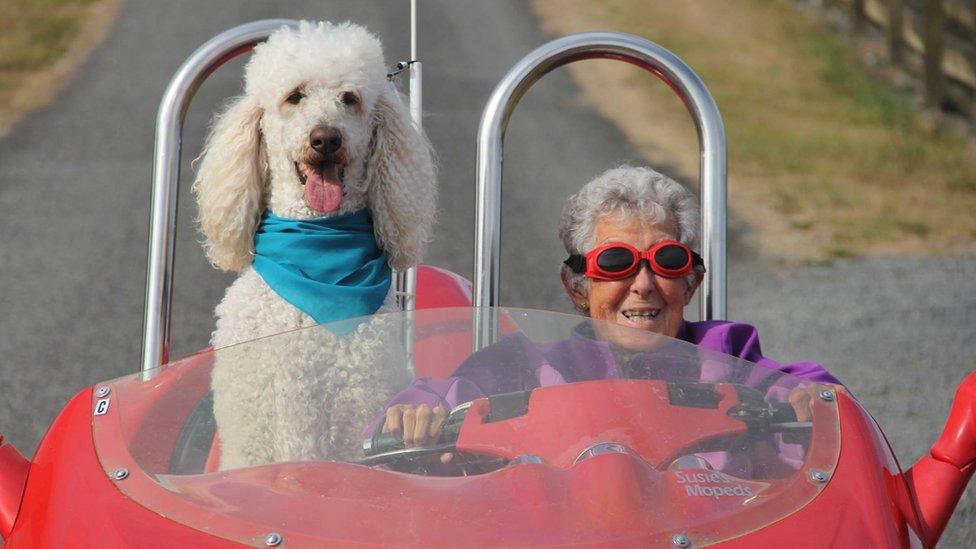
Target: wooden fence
934,39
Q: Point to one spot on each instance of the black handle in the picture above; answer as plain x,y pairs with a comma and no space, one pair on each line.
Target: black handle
380,443
783,412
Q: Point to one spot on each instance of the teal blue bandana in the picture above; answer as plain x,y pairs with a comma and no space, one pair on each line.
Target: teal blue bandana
331,268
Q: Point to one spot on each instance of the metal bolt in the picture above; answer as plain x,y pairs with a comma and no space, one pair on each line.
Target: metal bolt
680,540
819,476
273,539
120,474
102,391
827,395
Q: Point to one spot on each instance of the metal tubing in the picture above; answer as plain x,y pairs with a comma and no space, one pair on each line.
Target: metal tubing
405,282
650,57
166,174
409,279
413,30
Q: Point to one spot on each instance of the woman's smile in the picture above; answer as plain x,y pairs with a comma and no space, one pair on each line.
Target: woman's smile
639,316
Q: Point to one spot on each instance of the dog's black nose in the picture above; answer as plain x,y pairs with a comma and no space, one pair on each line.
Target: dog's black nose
325,140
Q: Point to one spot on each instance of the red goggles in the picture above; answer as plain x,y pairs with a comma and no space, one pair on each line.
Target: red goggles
618,260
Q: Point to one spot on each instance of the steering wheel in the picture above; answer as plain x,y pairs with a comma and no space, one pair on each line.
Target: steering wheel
558,422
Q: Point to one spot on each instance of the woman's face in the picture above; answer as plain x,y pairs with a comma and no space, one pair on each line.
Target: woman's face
645,301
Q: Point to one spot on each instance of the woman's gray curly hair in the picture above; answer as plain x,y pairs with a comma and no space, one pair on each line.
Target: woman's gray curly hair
623,192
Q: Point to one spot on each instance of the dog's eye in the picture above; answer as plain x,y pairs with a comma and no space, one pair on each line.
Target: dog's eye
295,97
349,99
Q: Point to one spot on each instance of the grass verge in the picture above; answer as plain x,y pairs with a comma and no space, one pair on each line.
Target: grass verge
43,42
824,160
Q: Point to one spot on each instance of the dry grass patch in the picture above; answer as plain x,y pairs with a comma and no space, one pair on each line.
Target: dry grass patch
824,161
42,42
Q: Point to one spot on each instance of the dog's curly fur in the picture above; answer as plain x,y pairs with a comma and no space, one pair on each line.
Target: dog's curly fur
250,163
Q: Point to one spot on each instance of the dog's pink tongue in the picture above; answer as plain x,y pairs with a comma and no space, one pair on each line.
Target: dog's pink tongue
323,190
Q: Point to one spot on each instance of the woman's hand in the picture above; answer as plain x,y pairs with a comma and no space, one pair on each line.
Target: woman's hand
415,425
802,399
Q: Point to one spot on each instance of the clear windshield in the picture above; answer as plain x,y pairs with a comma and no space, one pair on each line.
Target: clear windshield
557,430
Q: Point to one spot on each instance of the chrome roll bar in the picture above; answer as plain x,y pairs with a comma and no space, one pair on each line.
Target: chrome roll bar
650,57
208,58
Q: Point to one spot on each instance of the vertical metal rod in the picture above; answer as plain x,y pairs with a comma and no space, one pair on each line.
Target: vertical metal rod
600,45
413,30
405,282
156,335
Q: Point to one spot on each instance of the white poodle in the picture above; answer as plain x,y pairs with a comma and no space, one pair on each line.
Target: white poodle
319,132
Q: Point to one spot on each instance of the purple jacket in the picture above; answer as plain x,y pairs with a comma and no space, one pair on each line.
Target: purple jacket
742,340
515,364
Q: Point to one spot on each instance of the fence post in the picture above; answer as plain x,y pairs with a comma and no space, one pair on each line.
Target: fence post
858,17
972,60
896,43
932,16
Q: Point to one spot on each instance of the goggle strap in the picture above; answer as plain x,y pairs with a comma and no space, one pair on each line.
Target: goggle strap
576,263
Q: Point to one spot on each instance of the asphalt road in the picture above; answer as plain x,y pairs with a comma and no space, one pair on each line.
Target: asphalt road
74,192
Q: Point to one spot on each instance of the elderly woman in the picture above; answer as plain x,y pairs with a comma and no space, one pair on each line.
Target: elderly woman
630,234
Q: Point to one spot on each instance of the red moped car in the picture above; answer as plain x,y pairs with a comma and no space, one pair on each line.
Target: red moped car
675,446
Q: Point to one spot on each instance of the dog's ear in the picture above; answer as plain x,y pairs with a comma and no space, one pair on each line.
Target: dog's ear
402,182
229,186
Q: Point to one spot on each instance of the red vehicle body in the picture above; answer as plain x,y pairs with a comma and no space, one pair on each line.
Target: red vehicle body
68,496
